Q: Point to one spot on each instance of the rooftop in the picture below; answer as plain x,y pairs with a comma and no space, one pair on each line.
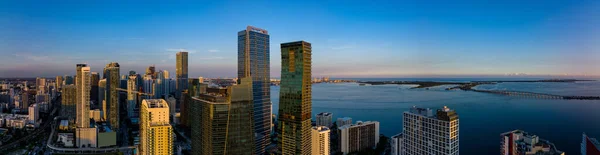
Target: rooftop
156,103
324,114
320,128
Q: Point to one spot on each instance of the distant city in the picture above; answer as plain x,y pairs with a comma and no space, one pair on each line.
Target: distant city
157,113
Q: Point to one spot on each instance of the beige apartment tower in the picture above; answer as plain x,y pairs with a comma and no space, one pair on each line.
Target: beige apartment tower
156,134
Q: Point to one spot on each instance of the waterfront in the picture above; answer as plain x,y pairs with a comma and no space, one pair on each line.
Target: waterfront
483,117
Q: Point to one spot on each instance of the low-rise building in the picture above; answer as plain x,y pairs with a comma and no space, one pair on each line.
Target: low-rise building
106,137
86,137
66,139
519,142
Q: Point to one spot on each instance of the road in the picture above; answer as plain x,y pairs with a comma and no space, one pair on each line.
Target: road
36,133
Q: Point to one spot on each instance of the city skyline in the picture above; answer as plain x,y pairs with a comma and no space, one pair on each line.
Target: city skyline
400,39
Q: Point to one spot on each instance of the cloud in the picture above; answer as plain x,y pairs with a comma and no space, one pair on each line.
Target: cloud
211,58
180,50
32,57
213,50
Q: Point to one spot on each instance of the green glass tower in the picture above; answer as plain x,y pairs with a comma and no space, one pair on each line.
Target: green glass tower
113,81
223,122
295,99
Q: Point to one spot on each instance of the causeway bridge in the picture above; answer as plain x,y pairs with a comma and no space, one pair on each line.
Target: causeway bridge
536,95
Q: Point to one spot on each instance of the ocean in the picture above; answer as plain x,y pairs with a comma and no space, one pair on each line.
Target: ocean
483,117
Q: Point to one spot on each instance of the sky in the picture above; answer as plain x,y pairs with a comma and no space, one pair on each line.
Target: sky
349,38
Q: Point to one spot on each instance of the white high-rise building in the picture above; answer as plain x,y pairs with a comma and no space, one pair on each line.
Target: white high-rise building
156,134
34,113
396,144
324,119
83,105
426,132
343,121
320,140
358,137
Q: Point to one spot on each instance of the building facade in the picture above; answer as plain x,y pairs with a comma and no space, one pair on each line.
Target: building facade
84,87
295,98
58,83
181,71
113,81
69,101
320,140
343,121
324,119
519,142
426,132
396,144
156,133
589,146
358,137
254,61
224,123
95,83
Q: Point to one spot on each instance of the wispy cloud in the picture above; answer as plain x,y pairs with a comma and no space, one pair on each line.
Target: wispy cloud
180,50
343,47
32,57
213,50
211,58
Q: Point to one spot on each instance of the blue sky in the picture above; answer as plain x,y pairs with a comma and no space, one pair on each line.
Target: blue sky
349,38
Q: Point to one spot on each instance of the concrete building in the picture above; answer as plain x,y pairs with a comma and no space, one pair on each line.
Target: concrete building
358,137
86,137
426,132
40,85
83,105
589,146
58,83
113,81
171,101
66,139
34,114
69,80
106,137
519,142
181,72
69,100
156,134
223,124
324,119
24,100
320,140
396,144
343,121
94,92
253,61
96,115
295,99
133,85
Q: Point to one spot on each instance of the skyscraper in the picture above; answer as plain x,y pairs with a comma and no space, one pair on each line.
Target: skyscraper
224,123
69,101
113,81
320,140
40,85
589,146
94,92
295,98
150,71
358,137
156,134
69,80
181,72
324,119
396,144
425,132
132,86
83,106
254,61
58,83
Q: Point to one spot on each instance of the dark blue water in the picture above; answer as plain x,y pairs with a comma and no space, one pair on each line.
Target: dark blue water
483,117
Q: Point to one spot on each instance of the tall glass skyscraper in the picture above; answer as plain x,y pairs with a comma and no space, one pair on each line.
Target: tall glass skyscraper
295,99
113,81
181,71
253,61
